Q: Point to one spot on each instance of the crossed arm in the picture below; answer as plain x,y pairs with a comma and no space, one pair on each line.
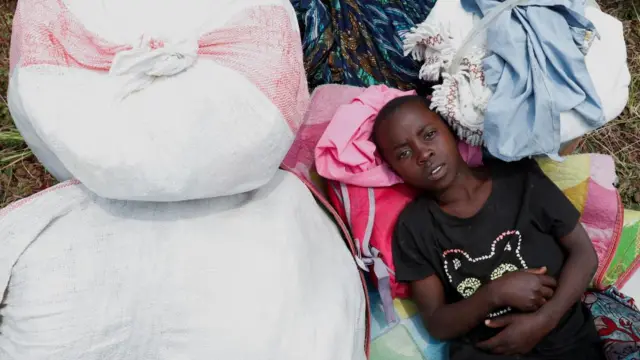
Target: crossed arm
531,291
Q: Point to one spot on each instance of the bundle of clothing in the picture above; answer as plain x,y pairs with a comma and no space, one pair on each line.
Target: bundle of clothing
522,77
358,42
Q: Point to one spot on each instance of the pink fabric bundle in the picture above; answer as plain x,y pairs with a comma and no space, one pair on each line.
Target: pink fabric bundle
346,153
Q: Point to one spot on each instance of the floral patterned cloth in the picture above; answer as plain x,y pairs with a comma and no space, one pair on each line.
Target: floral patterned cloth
618,322
358,42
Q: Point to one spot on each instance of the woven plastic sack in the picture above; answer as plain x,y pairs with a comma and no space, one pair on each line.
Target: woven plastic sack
261,275
158,101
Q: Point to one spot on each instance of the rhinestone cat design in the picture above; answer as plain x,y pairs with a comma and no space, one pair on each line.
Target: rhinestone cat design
459,265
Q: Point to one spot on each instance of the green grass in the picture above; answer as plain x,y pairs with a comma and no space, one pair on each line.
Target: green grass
21,175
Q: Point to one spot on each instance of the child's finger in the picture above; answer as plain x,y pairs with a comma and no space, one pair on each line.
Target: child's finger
499,322
548,281
492,344
546,292
538,271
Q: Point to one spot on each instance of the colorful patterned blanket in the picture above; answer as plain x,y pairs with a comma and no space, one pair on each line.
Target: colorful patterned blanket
588,181
357,42
618,323
626,260
616,317
405,339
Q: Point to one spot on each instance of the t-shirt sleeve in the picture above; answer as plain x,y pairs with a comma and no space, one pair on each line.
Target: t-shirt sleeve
410,262
556,213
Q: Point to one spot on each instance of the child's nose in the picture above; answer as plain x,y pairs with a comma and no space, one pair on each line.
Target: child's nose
424,155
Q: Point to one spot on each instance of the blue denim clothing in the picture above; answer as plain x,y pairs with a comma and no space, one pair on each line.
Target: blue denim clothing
536,70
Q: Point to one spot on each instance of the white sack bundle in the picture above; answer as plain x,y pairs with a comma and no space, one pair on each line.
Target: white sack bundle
158,101
260,275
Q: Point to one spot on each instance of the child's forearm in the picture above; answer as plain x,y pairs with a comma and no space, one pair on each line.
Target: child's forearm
578,270
450,321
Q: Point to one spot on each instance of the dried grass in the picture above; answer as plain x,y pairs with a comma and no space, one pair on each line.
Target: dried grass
621,137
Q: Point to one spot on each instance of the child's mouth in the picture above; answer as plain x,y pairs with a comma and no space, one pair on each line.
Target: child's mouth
437,172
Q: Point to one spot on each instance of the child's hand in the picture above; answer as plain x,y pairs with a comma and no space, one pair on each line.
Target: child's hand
524,290
521,333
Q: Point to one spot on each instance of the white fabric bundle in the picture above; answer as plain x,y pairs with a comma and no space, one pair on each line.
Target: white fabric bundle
260,275
157,101
185,241
463,97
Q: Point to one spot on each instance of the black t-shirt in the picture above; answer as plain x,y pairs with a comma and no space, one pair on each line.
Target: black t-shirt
517,228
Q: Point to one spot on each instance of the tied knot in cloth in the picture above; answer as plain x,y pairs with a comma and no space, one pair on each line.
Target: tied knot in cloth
346,152
153,59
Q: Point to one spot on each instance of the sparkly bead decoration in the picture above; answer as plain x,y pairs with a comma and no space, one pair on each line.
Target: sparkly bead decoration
468,287
499,313
456,264
503,269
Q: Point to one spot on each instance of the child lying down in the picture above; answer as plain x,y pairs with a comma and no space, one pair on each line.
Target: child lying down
495,255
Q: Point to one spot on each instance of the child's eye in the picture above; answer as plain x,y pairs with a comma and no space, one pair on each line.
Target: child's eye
404,154
428,135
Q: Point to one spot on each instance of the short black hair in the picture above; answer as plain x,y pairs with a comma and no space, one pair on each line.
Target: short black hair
394,105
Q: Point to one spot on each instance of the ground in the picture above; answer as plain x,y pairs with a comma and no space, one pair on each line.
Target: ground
621,138
21,175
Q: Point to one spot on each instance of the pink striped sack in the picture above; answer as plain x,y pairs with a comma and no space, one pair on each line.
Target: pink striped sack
146,102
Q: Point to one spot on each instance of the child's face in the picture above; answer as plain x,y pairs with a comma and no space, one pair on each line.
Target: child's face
419,147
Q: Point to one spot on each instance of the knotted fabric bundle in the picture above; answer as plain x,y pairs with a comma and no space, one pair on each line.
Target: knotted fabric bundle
194,101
